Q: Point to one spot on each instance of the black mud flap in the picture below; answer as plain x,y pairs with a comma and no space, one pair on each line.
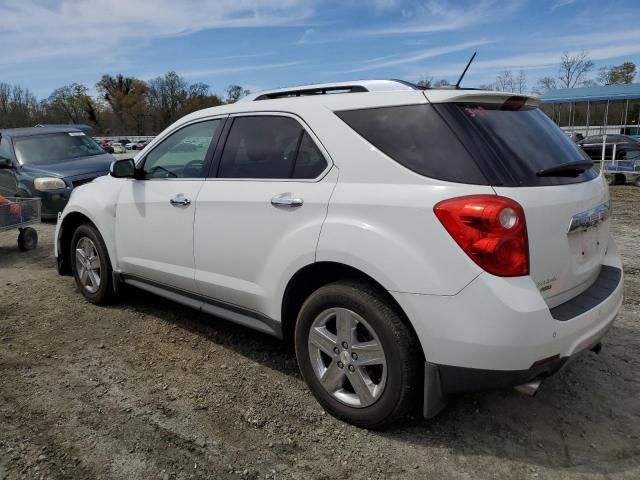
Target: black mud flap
434,401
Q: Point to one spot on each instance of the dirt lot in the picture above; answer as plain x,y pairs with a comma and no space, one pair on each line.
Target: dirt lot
147,389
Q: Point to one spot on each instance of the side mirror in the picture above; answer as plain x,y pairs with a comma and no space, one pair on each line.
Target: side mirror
123,168
5,163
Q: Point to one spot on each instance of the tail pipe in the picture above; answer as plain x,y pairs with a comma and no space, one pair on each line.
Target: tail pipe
529,388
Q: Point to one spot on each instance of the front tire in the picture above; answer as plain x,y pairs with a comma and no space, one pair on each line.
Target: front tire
90,265
360,360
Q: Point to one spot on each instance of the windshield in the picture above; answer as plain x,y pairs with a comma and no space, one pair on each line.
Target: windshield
54,147
513,142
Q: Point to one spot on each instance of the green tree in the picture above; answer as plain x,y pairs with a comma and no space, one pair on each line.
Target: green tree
72,104
617,74
127,98
235,93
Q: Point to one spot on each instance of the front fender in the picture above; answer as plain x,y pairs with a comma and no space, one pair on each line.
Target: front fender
97,201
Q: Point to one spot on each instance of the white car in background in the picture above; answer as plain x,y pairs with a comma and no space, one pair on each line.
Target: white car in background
411,243
118,147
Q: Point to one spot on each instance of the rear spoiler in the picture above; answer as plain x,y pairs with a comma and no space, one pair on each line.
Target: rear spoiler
479,96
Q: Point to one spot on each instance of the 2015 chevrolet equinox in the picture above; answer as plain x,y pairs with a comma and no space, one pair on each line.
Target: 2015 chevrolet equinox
412,243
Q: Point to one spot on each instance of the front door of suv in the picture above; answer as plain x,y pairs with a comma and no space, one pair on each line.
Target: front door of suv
258,218
155,214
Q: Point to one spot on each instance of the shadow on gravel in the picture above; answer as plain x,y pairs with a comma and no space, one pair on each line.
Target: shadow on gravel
573,423
257,346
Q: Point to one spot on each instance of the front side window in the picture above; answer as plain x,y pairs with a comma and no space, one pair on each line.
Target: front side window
273,147
55,147
183,153
5,149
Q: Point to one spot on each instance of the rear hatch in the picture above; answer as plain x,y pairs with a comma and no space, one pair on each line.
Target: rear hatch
527,158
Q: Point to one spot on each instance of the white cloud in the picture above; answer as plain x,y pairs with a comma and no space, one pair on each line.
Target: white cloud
387,62
536,60
440,16
32,28
214,72
560,4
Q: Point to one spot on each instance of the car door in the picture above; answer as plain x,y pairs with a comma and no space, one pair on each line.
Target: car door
8,182
259,218
155,213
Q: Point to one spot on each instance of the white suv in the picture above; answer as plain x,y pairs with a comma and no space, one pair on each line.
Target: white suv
411,243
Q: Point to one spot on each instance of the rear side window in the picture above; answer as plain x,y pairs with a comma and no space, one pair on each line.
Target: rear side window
273,147
309,162
416,137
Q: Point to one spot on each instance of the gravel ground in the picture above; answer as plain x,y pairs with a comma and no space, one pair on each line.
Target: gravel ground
147,389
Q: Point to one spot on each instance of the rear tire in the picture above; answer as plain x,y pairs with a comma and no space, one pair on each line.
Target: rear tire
90,265
636,182
358,357
609,178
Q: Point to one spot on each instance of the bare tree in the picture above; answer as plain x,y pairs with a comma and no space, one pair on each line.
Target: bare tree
425,82
505,82
18,107
573,69
520,83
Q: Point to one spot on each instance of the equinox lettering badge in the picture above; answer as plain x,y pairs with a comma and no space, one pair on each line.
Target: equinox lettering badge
584,220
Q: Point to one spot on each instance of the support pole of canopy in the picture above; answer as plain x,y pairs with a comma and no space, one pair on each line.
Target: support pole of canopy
626,112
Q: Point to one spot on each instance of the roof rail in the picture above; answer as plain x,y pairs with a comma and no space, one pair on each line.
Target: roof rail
331,88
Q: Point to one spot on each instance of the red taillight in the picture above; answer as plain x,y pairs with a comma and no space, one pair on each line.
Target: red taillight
490,229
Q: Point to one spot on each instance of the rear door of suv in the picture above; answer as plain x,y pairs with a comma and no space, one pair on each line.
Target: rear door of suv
259,214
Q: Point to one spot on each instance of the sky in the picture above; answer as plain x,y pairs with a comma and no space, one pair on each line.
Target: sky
264,44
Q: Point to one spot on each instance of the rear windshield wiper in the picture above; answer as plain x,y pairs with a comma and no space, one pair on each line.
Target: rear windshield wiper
569,169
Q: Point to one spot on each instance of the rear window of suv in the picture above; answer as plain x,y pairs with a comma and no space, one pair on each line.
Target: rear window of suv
503,144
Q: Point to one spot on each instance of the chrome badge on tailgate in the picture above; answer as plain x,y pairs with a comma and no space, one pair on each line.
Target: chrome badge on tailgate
585,220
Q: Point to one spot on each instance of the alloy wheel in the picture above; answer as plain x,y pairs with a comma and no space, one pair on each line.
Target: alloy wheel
347,357
88,265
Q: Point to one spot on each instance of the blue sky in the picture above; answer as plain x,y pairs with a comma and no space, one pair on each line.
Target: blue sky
273,43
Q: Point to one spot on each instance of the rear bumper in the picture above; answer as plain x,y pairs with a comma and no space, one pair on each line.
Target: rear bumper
499,332
504,324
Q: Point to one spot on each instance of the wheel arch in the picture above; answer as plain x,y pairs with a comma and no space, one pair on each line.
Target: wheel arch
69,225
313,276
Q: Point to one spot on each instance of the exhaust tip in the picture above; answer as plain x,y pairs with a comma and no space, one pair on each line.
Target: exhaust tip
529,389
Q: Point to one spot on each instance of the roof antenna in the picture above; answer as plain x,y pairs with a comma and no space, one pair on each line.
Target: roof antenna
465,70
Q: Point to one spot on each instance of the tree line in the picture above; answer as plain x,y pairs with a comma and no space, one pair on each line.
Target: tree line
124,105
131,106
573,71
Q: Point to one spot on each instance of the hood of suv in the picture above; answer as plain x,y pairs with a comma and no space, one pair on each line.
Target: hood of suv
73,167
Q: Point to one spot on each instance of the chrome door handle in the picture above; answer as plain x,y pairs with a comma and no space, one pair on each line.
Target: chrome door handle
286,201
180,201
